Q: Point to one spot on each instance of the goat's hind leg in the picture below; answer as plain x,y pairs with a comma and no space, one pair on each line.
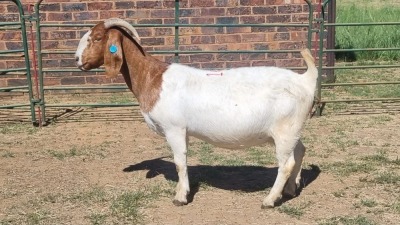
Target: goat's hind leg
177,139
294,180
285,155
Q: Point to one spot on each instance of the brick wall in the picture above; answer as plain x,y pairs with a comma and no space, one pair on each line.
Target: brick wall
162,38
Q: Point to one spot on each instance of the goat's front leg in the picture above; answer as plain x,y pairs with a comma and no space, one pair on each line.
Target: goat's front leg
177,139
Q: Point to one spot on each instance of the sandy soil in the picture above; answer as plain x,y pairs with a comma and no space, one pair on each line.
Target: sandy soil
46,173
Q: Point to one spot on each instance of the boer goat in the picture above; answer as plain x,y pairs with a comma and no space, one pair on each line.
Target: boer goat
239,108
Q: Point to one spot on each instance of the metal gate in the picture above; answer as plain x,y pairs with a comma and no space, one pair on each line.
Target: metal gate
315,25
22,71
176,52
323,26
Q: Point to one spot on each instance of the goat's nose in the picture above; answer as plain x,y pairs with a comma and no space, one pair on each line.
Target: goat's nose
76,58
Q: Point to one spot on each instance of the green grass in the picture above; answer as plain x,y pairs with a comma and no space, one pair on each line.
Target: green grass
16,128
7,154
97,218
36,217
366,203
98,151
345,168
351,37
395,207
126,207
295,211
387,178
347,220
93,195
363,91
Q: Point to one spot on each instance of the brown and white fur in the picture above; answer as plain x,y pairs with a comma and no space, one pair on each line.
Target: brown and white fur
242,107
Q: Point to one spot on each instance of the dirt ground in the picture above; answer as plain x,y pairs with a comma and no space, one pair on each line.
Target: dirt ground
82,168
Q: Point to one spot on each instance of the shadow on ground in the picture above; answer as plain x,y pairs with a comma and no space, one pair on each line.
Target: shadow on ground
236,178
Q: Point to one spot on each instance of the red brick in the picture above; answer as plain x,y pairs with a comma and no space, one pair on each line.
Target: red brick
202,3
286,9
68,7
252,19
231,38
237,64
10,35
212,12
235,30
3,82
202,20
298,36
152,41
63,35
189,12
162,13
125,5
212,30
137,14
228,57
289,62
59,16
278,55
148,4
264,10
50,7
201,58
239,11
290,45
190,30
16,82
252,2
99,6
226,3
253,37
281,37
3,8
51,81
72,80
212,65
203,39
276,2
86,16
112,13
278,18
264,63
216,47
252,56
164,31
98,79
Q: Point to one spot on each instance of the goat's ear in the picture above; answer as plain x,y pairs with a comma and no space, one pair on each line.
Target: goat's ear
113,54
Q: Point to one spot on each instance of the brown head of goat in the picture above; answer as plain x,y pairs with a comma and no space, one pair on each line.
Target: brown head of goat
114,43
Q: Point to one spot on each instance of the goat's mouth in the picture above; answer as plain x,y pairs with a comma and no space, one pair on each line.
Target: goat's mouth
82,67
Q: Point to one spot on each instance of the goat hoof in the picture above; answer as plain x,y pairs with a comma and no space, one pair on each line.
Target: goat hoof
266,206
289,195
179,203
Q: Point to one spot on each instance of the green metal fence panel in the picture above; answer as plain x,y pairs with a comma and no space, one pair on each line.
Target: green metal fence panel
22,71
176,52
321,100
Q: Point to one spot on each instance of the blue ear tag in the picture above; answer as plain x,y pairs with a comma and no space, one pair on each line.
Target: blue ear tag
113,48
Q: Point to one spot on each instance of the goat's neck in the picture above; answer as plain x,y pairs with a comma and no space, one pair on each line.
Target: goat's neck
142,74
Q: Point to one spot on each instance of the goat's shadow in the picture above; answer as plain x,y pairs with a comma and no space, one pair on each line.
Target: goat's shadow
238,178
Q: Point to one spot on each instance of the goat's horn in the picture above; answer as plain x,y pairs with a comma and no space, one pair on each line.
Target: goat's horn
121,23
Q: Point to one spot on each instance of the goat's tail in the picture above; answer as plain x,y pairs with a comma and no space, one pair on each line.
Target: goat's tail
309,59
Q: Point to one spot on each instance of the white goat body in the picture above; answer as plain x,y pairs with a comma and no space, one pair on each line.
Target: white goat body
234,108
